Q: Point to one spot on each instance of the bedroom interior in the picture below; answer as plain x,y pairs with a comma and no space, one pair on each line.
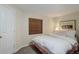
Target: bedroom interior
39,29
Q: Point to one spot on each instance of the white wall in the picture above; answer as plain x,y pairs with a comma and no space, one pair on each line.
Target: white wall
20,29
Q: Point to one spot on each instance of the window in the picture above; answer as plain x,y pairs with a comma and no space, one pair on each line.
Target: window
35,26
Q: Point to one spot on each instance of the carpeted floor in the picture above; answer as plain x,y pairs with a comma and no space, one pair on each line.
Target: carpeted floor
30,50
26,50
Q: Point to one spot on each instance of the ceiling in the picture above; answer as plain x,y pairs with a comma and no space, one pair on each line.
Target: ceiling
50,10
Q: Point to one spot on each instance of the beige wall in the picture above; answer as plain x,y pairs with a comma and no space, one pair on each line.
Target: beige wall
72,16
22,28
49,25
22,38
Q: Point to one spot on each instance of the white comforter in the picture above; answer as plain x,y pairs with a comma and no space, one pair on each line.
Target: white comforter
69,36
54,45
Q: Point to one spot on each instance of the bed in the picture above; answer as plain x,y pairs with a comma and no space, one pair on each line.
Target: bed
59,42
54,45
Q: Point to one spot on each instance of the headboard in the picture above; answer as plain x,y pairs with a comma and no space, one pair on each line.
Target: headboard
69,24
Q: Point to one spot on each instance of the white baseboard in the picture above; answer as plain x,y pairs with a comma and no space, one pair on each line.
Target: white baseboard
20,47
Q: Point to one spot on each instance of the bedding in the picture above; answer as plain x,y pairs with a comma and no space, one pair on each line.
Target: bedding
67,35
58,42
53,44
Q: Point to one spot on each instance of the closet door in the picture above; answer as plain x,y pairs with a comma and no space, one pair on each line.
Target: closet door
7,30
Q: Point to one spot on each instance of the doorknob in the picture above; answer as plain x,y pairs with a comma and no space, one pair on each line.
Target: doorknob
0,36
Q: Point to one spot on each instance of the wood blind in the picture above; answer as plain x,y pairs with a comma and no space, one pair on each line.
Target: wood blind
35,26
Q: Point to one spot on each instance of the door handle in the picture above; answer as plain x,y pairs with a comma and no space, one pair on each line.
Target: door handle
0,36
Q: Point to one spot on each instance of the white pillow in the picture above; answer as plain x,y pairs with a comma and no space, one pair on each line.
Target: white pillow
70,33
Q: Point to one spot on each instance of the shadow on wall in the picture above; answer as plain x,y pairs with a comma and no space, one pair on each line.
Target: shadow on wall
77,30
77,38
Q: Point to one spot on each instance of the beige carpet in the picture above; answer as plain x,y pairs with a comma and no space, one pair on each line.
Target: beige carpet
29,50
26,50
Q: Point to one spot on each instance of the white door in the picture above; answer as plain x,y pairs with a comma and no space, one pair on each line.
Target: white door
7,30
